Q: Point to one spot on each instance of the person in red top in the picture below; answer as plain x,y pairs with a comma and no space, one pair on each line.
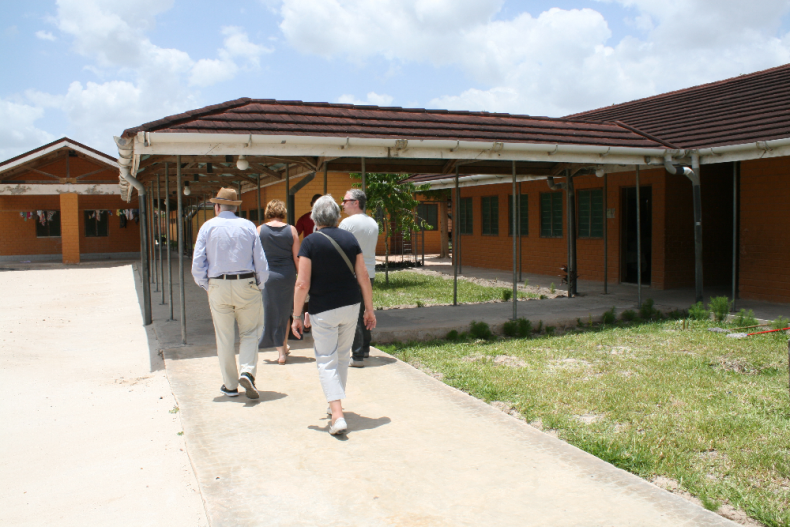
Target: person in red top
305,225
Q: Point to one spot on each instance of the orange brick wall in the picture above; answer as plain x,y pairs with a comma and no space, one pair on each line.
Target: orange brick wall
119,240
17,236
545,255
764,272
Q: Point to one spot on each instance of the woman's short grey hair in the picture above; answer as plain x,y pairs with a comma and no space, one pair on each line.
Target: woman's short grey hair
326,213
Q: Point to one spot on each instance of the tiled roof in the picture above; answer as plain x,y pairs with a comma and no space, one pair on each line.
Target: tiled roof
266,116
749,108
66,143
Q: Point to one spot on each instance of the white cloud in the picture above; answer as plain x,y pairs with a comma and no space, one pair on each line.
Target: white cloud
45,35
373,98
236,46
18,132
556,63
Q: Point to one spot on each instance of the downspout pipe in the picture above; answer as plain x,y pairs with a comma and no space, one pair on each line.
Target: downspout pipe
125,162
693,175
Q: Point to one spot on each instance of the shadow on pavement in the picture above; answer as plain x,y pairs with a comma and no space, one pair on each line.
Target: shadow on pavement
265,398
356,423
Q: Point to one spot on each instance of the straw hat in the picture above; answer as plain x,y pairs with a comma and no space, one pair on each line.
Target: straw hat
226,196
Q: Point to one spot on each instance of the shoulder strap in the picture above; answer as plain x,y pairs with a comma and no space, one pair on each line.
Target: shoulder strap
341,251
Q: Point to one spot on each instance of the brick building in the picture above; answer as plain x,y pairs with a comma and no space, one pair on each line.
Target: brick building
739,127
61,202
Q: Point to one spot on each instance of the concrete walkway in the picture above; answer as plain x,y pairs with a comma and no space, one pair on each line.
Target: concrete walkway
436,321
417,453
87,437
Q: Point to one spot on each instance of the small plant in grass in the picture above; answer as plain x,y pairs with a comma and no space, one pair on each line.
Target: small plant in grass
550,331
589,320
452,335
629,315
540,327
720,306
507,294
543,297
579,322
711,505
420,303
521,328
647,311
698,312
677,314
480,330
780,323
745,318
609,317
552,289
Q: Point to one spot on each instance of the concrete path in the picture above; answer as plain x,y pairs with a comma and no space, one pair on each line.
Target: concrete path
418,452
436,321
87,437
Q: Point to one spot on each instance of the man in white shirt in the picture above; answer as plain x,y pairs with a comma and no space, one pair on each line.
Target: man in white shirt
366,231
229,263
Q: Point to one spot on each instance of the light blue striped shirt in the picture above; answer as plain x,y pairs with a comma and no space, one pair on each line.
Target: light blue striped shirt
228,244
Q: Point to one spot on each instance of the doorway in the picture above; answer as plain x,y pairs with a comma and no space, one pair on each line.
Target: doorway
629,259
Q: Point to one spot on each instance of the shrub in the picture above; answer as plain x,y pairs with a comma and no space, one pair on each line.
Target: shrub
745,318
552,289
550,331
609,317
698,312
420,303
452,335
507,294
628,315
647,311
518,328
579,322
677,314
543,297
721,307
480,330
780,323
540,327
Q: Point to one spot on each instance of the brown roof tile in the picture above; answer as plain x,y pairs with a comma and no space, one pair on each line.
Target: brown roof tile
744,109
266,116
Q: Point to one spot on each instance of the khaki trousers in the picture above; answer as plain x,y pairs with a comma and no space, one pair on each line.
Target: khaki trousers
236,302
333,333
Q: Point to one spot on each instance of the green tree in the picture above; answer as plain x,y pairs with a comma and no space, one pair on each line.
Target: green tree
393,203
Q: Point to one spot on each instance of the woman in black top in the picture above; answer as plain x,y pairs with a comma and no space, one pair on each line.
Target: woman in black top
337,282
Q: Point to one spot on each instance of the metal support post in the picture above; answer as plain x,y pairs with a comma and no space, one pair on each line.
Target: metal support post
456,235
697,226
364,177
260,218
325,176
515,235
520,270
638,243
167,240
180,216
291,217
144,261
735,169
605,234
159,234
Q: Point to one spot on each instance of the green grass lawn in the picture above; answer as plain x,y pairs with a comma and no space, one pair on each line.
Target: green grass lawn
407,288
709,412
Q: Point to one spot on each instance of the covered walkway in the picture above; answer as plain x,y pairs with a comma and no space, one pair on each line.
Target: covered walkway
418,452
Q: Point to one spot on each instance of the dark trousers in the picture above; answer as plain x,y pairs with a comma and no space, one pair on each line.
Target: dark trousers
361,346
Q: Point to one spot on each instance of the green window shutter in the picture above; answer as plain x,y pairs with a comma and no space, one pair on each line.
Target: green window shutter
465,216
584,213
556,214
524,215
490,212
545,214
596,213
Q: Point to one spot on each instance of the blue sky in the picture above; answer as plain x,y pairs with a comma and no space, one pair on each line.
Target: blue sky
88,69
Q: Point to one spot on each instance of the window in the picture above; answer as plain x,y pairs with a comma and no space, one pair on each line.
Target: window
551,214
490,215
430,213
524,215
590,213
465,216
97,223
243,214
51,226
254,214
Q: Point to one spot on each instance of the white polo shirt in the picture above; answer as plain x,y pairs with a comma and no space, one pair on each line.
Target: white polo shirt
366,231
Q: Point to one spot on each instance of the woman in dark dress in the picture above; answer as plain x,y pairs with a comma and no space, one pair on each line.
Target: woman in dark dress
281,245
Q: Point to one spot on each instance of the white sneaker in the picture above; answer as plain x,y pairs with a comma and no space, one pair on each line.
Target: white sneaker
339,427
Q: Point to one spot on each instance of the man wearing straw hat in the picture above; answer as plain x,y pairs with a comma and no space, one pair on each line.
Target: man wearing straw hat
229,263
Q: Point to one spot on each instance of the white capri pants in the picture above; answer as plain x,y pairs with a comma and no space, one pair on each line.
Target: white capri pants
333,334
